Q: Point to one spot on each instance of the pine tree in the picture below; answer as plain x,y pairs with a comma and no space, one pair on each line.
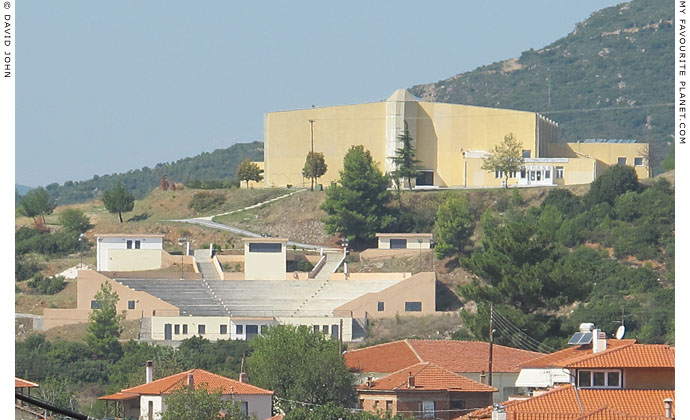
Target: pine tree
405,160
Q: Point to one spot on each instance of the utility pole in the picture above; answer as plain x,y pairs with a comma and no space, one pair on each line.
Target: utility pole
491,343
311,166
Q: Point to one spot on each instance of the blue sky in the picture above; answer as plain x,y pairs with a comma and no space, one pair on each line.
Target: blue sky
105,87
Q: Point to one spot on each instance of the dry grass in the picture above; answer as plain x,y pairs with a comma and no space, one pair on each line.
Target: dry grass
27,303
422,327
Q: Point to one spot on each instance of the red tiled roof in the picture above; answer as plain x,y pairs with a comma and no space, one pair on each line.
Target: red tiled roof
23,383
568,400
427,377
635,356
572,354
201,378
606,413
456,356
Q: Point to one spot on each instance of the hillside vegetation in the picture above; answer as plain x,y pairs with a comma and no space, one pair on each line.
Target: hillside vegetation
603,80
221,164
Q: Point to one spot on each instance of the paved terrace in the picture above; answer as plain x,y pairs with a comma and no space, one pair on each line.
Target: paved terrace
279,298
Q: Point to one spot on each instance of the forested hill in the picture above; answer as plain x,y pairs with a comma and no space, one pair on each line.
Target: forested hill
216,165
620,57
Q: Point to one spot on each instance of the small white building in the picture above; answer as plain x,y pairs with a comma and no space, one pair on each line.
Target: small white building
404,240
129,252
264,258
147,401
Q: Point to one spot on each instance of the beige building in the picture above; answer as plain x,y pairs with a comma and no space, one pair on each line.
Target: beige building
404,240
264,258
129,252
450,140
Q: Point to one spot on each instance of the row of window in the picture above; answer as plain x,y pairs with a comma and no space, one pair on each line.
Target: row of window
639,161
409,307
131,304
335,330
599,378
252,330
137,244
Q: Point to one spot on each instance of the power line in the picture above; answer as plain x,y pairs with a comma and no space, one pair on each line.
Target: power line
514,331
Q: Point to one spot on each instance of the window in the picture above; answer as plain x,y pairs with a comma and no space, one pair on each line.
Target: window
547,174
137,244
177,328
239,329
622,161
130,304
380,307
245,408
526,154
223,329
252,330
361,403
184,329
389,406
335,331
457,404
398,243
316,328
523,173
425,178
129,244
599,378
497,174
95,304
639,161
325,329
428,408
559,172
413,306
538,175
265,247
532,175
202,329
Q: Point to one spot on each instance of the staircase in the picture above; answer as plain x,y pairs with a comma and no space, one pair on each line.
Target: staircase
205,264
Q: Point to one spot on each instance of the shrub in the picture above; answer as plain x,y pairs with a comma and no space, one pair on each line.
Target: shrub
75,219
204,201
25,268
615,181
47,285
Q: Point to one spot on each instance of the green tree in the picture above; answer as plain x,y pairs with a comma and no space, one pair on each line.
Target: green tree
356,206
615,181
454,225
105,325
405,160
300,364
249,171
505,158
314,167
198,403
669,162
37,202
118,200
75,220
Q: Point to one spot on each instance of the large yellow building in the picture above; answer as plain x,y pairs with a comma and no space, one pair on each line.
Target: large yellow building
450,140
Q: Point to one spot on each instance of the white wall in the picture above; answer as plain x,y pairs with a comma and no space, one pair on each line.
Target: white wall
257,405
144,407
105,243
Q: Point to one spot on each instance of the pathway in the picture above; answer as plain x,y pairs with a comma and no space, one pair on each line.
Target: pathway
208,222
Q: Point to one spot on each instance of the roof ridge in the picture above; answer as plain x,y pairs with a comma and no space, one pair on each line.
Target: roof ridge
590,356
413,350
376,345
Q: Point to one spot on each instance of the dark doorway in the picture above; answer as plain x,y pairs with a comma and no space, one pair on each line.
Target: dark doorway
398,243
168,331
425,178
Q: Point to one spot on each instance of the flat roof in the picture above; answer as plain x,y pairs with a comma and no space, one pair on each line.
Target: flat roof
262,239
129,235
409,235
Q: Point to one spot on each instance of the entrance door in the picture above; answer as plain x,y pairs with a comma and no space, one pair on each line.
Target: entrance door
428,409
168,332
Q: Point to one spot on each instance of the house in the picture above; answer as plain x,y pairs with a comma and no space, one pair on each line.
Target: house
405,240
608,379
467,358
424,390
600,362
450,141
147,401
129,252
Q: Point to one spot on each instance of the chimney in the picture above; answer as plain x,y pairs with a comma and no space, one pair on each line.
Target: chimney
149,371
668,402
410,381
598,341
482,377
243,377
369,378
498,412
190,380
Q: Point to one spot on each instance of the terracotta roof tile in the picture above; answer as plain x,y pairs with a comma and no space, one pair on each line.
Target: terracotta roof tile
201,377
427,377
606,413
456,356
572,354
23,383
635,356
567,400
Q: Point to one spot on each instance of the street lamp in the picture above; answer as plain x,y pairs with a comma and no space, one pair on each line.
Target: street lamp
81,252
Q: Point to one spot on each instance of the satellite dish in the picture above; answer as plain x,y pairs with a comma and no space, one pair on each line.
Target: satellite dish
620,332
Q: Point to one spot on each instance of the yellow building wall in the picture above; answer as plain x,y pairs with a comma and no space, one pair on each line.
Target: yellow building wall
287,140
608,154
478,177
134,259
444,131
577,171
